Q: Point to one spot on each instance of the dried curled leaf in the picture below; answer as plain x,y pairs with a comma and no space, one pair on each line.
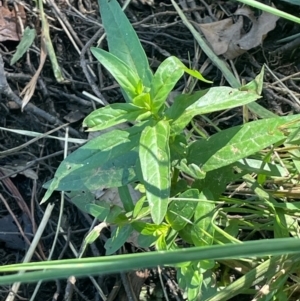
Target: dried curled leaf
9,30
231,39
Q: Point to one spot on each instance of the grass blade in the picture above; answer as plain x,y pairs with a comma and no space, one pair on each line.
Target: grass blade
114,264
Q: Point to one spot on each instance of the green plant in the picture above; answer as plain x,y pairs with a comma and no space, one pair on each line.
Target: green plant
181,180
154,151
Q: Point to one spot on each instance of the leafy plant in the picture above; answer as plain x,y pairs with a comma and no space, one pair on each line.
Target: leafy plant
181,180
155,153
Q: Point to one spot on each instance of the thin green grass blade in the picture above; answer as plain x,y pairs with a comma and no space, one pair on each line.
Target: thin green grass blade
271,10
115,264
264,271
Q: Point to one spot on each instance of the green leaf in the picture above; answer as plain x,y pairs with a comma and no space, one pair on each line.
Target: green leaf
195,74
203,230
143,101
116,216
154,156
118,238
166,77
222,98
138,207
178,147
91,237
164,80
112,115
280,227
105,161
180,212
145,241
215,99
160,243
123,41
150,229
25,43
126,77
209,286
182,102
191,169
185,234
85,201
260,167
236,143
126,198
216,180
255,85
190,280
170,239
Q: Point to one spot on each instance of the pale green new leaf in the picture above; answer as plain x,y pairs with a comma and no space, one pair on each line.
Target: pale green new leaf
123,41
166,77
128,79
164,80
143,100
106,161
91,237
191,169
112,115
154,156
195,74
256,85
236,143
190,280
150,229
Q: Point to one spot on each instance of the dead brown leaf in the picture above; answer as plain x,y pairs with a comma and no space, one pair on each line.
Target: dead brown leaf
8,22
229,38
30,87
